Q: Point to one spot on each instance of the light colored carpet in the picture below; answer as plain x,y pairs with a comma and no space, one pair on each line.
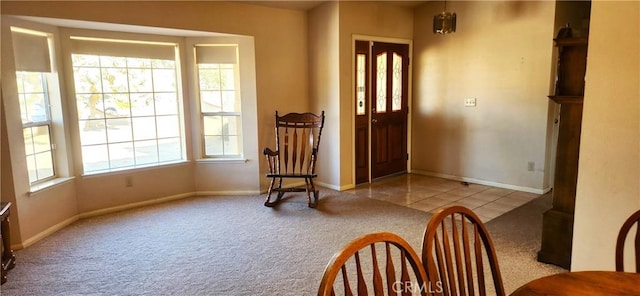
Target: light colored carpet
516,236
232,245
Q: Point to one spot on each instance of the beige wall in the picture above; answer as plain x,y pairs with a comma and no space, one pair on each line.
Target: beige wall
609,169
500,55
96,192
7,194
324,85
281,62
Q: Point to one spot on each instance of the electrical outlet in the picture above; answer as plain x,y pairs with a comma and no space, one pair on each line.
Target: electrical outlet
470,102
128,180
531,166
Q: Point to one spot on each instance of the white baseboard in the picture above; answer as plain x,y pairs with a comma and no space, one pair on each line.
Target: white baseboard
32,240
483,182
135,205
49,231
331,186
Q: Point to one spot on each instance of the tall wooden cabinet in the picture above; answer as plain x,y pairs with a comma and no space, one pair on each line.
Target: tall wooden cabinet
557,225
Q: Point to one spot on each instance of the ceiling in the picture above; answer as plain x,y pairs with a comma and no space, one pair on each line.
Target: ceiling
295,5
310,4
301,5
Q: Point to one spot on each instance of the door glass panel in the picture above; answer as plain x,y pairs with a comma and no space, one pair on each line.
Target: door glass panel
381,77
360,83
396,83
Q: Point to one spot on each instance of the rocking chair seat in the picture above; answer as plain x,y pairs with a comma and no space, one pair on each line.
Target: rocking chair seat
292,175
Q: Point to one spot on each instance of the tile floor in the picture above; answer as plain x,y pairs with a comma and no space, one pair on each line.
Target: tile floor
429,194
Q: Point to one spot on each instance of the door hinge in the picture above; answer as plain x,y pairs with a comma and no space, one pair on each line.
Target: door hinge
407,156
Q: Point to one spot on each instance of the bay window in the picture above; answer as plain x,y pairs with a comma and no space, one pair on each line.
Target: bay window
128,103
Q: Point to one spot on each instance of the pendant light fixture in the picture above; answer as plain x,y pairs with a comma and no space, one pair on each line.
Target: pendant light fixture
444,22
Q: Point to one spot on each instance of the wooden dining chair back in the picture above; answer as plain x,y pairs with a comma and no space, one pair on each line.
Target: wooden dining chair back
634,219
375,264
295,155
458,254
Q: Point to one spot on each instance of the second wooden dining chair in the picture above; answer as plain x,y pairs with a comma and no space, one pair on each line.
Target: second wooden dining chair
377,264
454,249
634,219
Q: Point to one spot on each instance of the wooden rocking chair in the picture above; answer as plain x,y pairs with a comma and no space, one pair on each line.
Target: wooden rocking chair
297,142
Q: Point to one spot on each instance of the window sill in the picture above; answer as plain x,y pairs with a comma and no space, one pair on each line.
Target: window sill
37,188
133,169
222,160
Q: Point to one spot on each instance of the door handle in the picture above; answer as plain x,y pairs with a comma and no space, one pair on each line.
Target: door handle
374,120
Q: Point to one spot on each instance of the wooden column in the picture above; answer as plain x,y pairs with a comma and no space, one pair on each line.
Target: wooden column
557,223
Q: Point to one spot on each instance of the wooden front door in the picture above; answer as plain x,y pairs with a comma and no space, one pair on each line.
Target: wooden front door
381,109
389,108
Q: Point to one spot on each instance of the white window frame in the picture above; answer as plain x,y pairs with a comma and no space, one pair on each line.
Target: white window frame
46,122
132,38
247,94
33,60
230,62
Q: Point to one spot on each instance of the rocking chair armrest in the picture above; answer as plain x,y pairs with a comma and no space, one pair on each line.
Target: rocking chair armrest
273,160
269,152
